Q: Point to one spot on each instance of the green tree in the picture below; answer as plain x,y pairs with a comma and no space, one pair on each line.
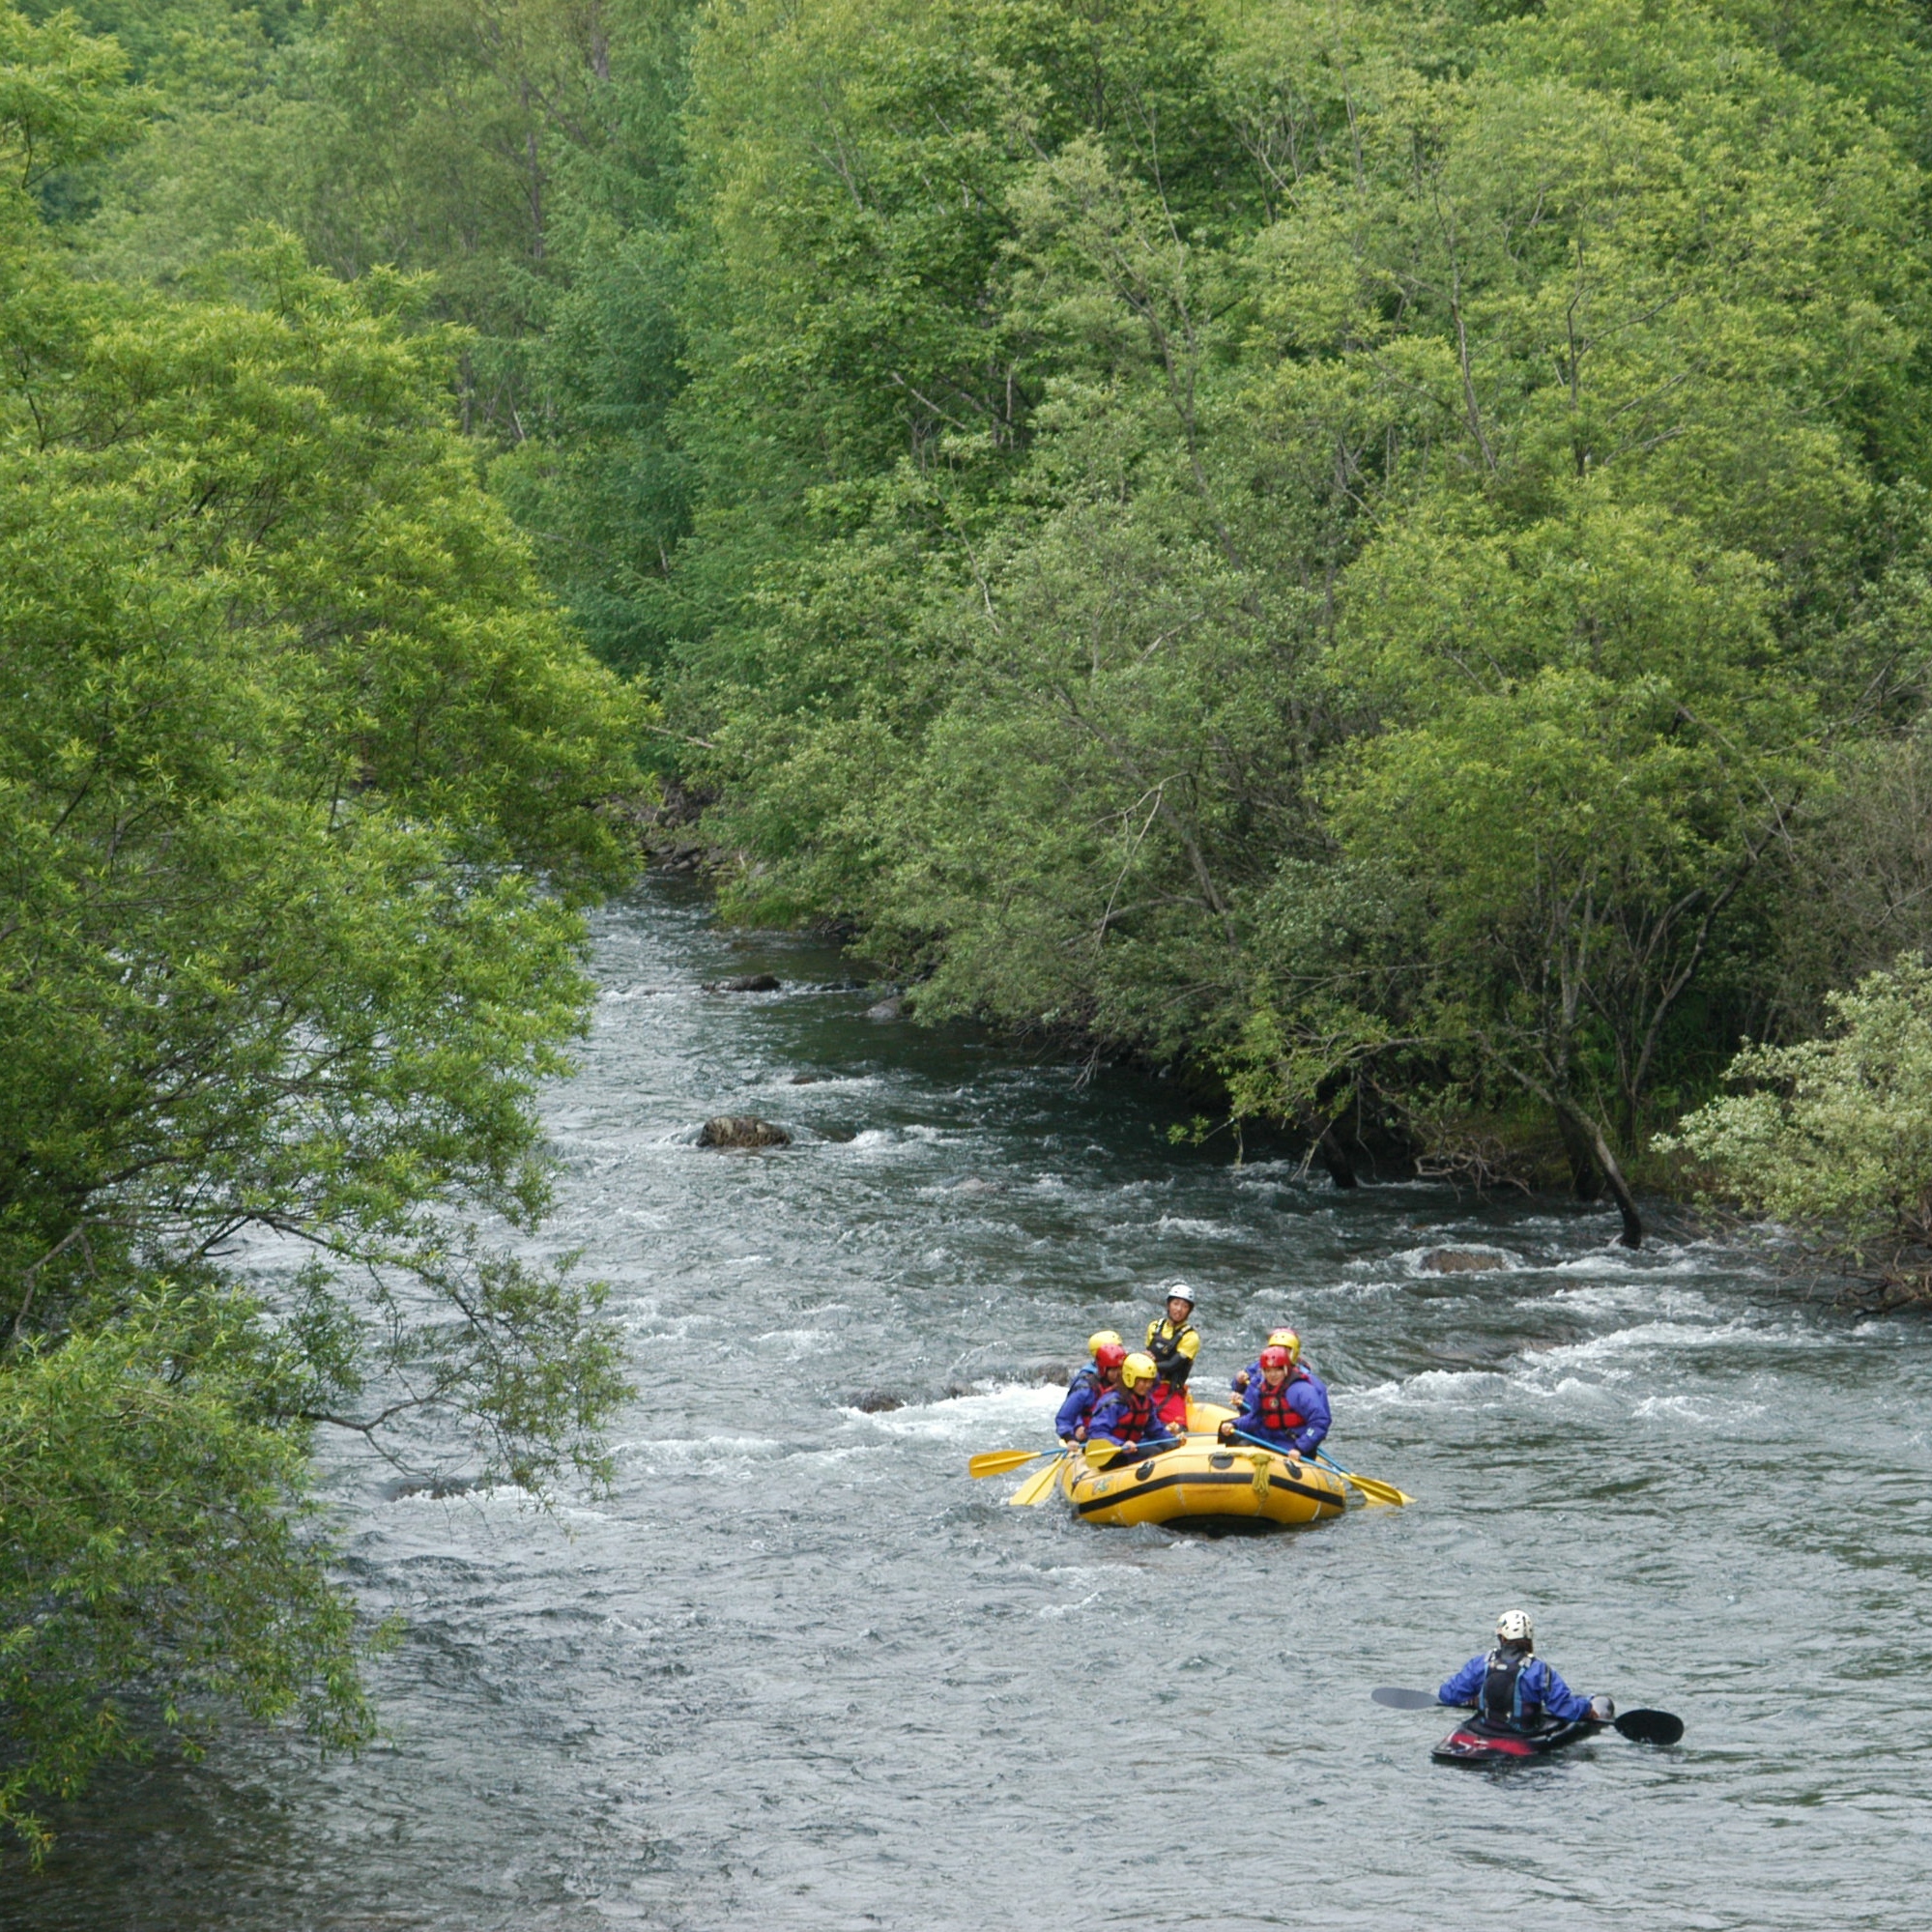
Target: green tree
1834,1136
299,778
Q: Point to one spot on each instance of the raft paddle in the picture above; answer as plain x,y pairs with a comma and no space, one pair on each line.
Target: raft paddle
997,1461
1376,1492
1126,1453
1641,1727
1039,1486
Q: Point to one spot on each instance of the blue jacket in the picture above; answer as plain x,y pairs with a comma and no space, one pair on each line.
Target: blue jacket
1539,1690
1108,1420
1078,1406
1309,1393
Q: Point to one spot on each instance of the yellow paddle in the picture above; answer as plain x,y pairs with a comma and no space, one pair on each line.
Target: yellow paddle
1038,1487
1376,1492
997,1461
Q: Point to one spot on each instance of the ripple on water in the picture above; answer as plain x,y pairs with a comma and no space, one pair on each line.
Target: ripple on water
796,1670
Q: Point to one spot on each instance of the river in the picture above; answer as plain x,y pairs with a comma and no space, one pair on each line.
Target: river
798,1671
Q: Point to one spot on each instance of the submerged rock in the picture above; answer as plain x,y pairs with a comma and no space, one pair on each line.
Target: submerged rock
746,982
1462,1260
741,1130
875,1401
804,1080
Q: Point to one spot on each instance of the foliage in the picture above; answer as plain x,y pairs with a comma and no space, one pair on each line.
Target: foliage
1350,545
299,778
1834,1135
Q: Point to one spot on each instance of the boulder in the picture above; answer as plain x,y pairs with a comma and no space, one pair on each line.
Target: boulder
741,1130
1462,1260
746,982
875,1401
892,1007
805,1079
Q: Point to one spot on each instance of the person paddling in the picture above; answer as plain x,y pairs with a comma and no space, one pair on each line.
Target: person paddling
1513,1689
1277,1337
1173,1342
1129,1415
1285,1405
1090,1385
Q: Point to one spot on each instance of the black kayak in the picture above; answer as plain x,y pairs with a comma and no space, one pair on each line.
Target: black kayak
1476,1743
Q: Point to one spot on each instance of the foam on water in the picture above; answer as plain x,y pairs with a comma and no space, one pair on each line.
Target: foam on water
797,1670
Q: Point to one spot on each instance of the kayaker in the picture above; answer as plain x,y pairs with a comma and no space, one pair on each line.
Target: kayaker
1277,1337
1129,1415
1513,1689
1285,1406
1089,1384
1173,1342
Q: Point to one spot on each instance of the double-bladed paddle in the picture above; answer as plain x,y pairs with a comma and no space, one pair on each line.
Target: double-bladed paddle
1643,1727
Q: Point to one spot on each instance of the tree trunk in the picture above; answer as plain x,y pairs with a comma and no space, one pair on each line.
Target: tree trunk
1632,1235
1335,1158
1584,1176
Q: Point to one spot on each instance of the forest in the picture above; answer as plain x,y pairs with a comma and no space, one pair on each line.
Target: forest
1375,556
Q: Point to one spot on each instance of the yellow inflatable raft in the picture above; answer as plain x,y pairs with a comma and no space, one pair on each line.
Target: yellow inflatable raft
1201,1482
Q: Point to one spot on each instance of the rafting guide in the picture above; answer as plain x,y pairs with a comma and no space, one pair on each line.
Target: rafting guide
1173,1342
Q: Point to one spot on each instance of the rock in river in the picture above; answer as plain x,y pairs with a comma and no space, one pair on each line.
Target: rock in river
741,1130
1462,1260
892,1007
746,982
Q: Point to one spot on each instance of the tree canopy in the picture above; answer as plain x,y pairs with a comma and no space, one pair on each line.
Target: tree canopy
299,778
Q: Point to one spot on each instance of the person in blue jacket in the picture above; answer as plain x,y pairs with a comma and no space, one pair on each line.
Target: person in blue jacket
1243,1379
1130,1415
1089,1386
1513,1689
1286,1406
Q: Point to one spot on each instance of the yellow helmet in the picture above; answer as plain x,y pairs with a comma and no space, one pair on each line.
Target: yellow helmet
1099,1339
1287,1337
1137,1371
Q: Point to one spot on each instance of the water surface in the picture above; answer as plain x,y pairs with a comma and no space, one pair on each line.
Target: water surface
798,1671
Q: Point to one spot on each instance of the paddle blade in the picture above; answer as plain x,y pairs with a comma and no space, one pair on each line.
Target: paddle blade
1651,1727
1038,1487
997,1461
1406,1700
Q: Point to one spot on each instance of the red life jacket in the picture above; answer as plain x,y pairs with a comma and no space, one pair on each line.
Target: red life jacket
1273,1411
1138,1419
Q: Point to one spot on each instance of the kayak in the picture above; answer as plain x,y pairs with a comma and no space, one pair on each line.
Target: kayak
1203,1483
1476,1743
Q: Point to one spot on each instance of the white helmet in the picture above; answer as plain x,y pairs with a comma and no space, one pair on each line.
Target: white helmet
1513,1627
1179,1292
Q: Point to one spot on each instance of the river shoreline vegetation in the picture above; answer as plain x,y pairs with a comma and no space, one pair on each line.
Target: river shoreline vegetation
1377,554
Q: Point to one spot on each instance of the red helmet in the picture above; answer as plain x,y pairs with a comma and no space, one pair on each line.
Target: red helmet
1110,1355
1275,1358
